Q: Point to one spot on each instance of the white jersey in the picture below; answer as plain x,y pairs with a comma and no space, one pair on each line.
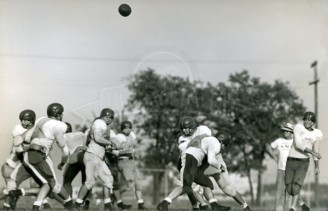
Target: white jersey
17,138
184,140
198,153
210,143
17,132
47,128
74,140
128,141
183,143
283,147
207,144
303,139
107,133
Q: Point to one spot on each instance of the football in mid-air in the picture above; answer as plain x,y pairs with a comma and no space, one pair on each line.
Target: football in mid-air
124,10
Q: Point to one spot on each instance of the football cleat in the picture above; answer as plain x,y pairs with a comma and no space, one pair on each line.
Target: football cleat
124,206
141,206
109,206
305,208
164,205
247,208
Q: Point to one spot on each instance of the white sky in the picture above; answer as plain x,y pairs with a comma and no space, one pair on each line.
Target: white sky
79,53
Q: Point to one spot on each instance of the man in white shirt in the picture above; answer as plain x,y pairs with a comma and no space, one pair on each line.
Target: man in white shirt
76,142
47,131
127,164
14,162
95,166
279,150
306,143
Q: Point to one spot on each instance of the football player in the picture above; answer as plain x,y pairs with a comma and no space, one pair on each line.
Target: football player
126,162
191,131
215,166
306,143
41,137
222,179
95,166
119,185
76,142
27,118
279,150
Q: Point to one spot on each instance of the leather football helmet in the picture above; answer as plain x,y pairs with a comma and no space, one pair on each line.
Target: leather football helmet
69,127
187,125
126,124
107,112
55,110
224,138
27,115
309,115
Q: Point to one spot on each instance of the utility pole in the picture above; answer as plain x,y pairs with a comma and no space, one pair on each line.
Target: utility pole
315,83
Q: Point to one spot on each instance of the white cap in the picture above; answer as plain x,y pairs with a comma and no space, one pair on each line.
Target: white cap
288,127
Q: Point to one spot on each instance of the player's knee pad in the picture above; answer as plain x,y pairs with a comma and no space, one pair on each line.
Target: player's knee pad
289,188
229,190
90,183
197,188
11,185
109,185
57,188
129,185
296,189
138,186
109,182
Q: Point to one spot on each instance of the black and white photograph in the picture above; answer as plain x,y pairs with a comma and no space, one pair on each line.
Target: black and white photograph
164,105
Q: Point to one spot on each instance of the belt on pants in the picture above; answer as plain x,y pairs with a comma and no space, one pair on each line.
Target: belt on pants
125,158
38,148
299,159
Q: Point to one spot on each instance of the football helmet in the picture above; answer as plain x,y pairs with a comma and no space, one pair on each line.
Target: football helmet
107,112
69,127
55,110
126,124
224,138
27,115
310,116
187,125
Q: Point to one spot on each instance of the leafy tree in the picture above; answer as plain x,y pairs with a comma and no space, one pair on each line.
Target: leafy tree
251,110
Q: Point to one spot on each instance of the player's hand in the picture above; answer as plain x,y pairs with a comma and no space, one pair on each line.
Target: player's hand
115,152
81,148
136,155
222,168
317,171
317,155
60,166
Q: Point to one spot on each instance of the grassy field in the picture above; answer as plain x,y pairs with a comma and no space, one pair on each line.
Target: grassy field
25,203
